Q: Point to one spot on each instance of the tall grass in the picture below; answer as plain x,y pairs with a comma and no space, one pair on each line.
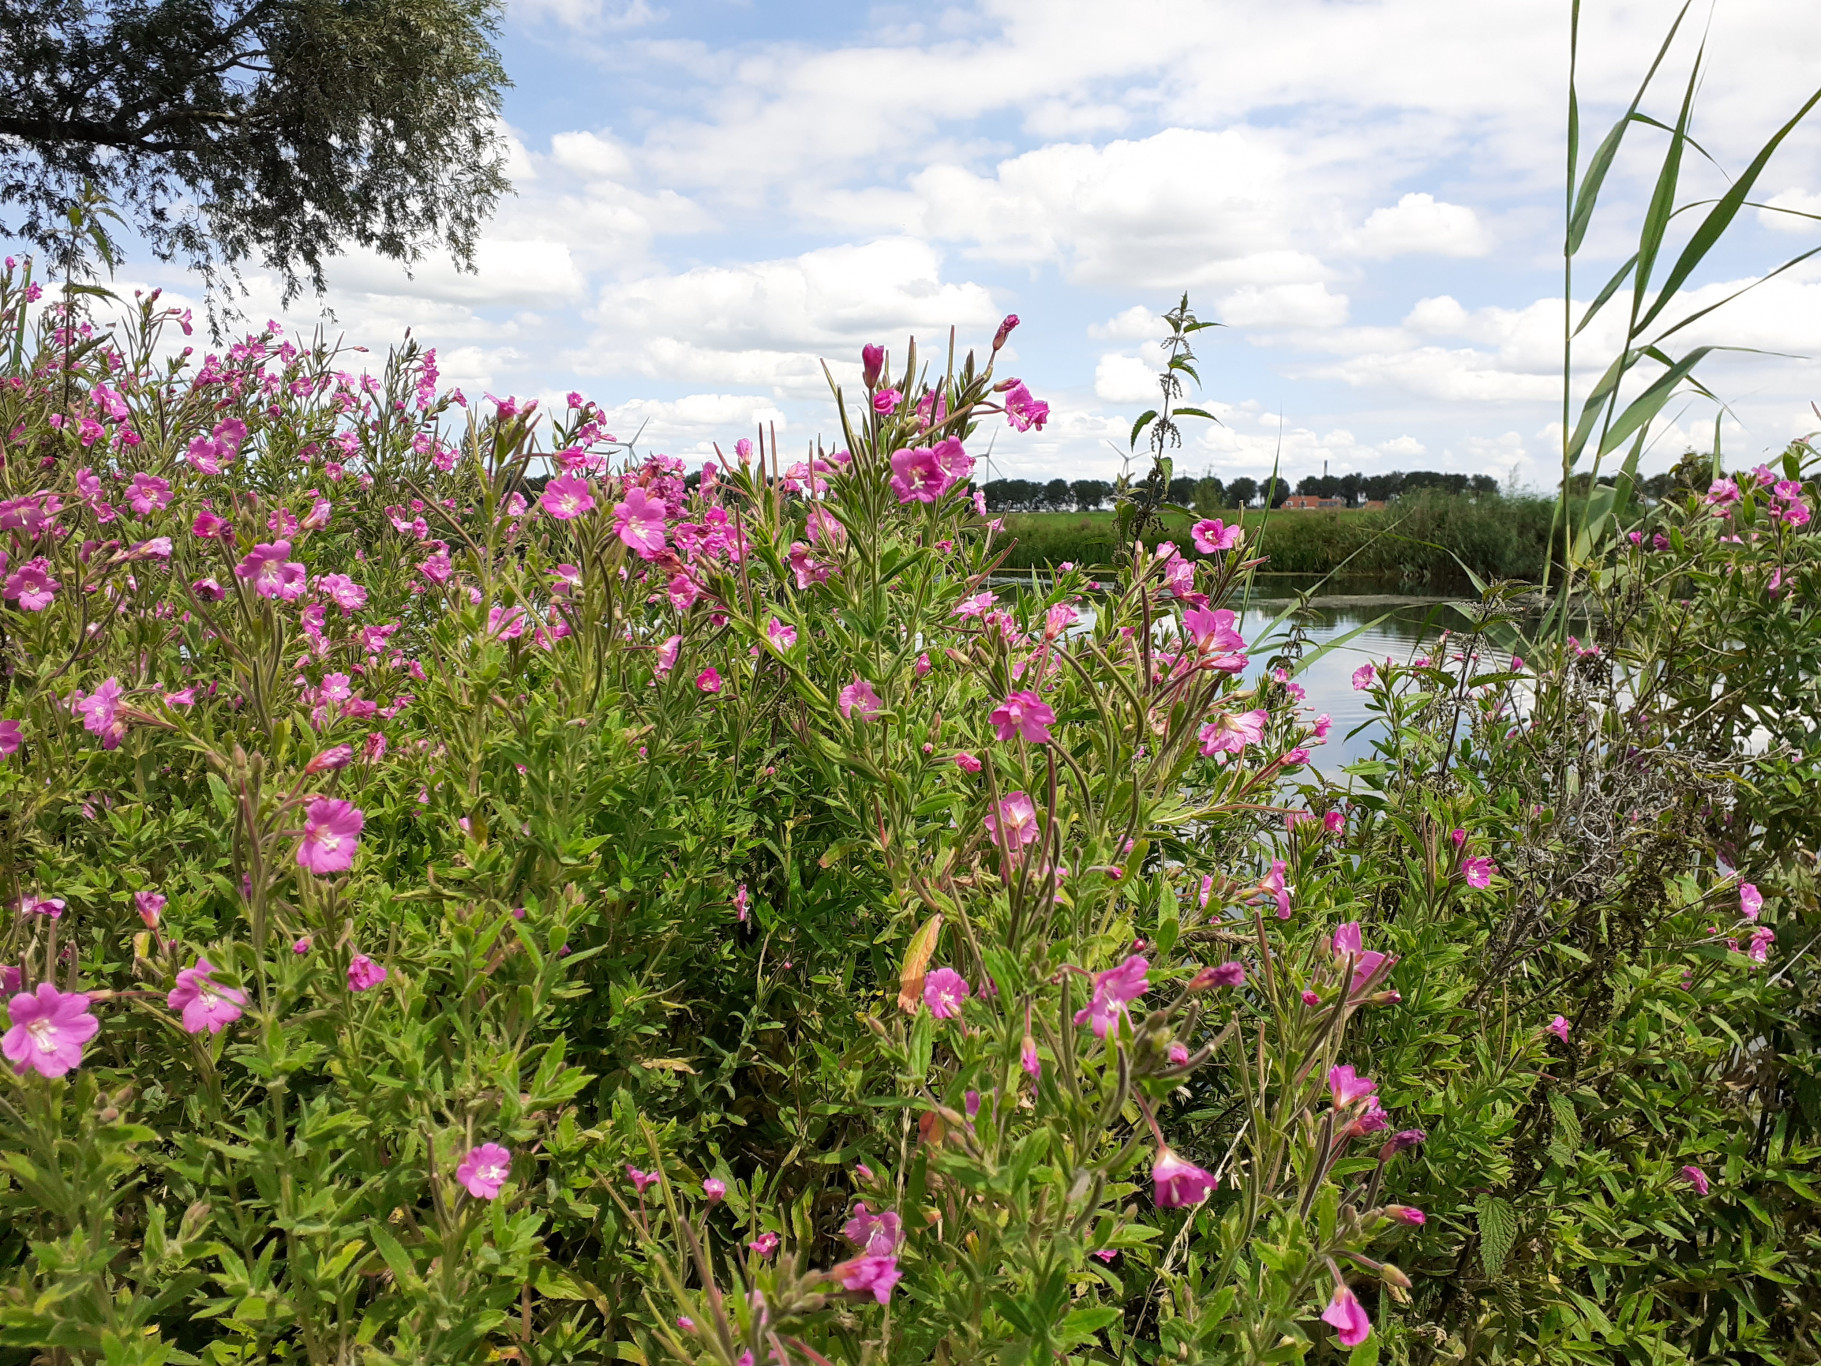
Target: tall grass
1422,542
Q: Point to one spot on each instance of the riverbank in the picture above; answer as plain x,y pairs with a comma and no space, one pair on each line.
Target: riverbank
1424,540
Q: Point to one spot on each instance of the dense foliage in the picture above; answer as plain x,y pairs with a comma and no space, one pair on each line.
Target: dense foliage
717,921
272,131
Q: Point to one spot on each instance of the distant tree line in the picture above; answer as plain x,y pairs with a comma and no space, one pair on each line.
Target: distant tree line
1209,495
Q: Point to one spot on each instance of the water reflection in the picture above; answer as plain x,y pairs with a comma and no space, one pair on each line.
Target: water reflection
1396,627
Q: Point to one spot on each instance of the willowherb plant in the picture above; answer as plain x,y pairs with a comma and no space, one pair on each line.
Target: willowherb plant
475,892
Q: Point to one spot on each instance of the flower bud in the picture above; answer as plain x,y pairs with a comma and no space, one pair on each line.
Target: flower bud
336,756
1394,1276
1403,1214
1005,330
872,362
1220,975
1405,1138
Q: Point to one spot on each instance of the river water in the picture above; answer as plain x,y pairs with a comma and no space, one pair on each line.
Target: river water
1396,627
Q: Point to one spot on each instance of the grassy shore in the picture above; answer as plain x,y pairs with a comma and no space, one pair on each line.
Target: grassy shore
1419,541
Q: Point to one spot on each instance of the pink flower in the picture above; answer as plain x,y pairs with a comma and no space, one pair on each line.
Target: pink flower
781,634
343,592
765,1244
858,699
271,572
1023,714
1213,634
976,606
1014,822
1114,990
943,992
639,522
32,585
886,401
824,528
956,463
667,654
714,1189
1179,1054
808,570
1363,677
331,836
964,761
1751,901
208,590
1694,1176
1230,734
1558,1027
1348,1317
875,1274
876,1235
1220,975
149,494
1178,1182
1274,884
205,1003
1478,871
484,1170
49,906
917,476
49,1029
151,905
12,735
1023,411
709,680
1405,1214
1761,940
364,974
1211,535
739,903
1028,1058
567,497
100,713
1348,1088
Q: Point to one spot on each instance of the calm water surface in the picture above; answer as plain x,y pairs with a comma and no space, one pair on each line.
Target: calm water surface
1397,627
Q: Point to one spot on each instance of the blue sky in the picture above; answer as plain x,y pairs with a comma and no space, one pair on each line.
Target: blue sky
711,197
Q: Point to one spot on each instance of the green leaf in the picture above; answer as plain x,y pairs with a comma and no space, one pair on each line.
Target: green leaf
1498,1231
1139,426
1722,214
1366,1354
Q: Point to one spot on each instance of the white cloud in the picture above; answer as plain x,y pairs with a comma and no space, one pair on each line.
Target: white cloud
1281,306
1798,202
1136,323
1419,224
523,273
1125,379
588,15
1183,207
772,322
591,155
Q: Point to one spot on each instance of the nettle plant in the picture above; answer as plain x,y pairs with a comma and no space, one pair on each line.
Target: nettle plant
477,893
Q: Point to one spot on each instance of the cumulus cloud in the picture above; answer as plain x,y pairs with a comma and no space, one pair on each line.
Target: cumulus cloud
1419,224
1801,209
1125,379
1283,306
772,322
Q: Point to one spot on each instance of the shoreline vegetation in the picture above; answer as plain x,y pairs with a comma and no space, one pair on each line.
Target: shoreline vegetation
1425,541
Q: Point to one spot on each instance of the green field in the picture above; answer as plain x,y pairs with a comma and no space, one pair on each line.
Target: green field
1418,541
